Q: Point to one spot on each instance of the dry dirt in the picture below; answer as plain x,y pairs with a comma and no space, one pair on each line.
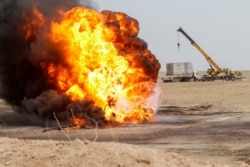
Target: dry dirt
197,124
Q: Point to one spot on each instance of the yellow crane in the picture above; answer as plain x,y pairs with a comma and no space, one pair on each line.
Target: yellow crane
215,70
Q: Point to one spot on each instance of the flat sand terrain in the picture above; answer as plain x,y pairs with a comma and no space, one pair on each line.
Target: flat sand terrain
197,124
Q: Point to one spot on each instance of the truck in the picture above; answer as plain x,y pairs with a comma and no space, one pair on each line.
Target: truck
215,72
180,72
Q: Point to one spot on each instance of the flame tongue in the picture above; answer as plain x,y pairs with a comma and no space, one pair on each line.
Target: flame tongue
98,58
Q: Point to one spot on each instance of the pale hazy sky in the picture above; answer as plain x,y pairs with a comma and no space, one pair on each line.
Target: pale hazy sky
220,27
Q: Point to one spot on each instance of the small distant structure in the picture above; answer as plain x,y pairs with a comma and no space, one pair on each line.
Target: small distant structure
180,72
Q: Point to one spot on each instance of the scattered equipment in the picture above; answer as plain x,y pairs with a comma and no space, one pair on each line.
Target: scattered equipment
215,72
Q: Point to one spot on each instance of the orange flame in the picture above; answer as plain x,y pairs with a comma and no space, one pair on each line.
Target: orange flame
36,21
96,67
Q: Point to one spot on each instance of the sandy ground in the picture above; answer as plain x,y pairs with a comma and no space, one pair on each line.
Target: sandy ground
197,124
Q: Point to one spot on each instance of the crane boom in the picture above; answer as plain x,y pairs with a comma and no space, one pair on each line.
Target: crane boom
207,57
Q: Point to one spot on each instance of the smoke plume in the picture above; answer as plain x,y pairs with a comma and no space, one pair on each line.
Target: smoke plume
24,85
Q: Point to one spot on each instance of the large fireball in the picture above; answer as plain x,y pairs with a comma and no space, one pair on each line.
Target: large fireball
91,68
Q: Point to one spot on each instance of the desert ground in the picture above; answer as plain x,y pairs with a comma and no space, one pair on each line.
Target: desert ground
197,124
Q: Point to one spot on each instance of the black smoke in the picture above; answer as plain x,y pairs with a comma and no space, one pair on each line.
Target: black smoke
26,87
23,84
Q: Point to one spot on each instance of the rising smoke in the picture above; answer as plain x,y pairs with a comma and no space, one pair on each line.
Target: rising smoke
23,83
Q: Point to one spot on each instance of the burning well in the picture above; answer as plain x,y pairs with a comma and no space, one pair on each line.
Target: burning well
71,62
